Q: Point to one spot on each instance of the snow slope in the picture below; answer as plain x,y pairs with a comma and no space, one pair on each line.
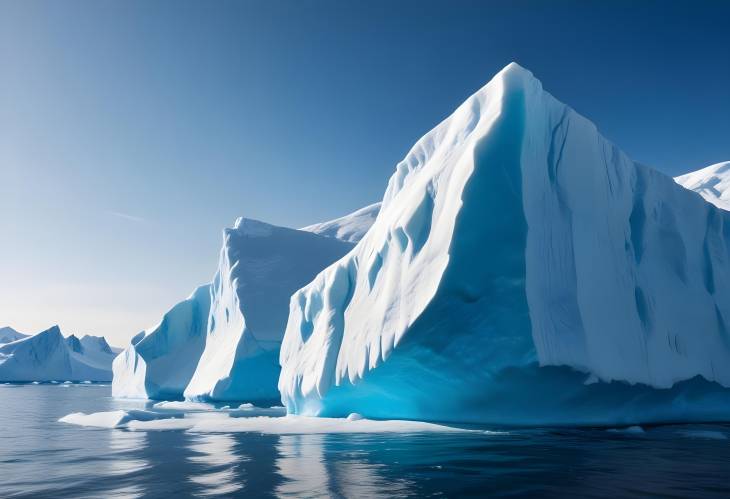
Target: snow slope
260,266
48,356
522,269
8,334
712,183
160,361
349,228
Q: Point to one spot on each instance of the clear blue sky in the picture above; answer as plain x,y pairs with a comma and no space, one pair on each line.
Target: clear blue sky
131,133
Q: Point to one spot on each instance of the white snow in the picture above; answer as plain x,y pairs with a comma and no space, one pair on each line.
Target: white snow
48,356
712,183
351,227
518,253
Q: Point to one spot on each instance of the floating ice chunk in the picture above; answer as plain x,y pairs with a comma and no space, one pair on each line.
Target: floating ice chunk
354,417
114,419
290,425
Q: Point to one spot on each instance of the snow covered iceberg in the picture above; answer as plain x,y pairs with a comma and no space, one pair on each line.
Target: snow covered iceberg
522,269
160,361
260,266
48,356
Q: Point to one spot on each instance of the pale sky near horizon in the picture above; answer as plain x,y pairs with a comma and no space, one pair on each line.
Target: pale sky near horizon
132,132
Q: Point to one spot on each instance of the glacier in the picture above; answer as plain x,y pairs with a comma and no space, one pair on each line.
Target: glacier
522,270
260,266
48,356
712,183
222,343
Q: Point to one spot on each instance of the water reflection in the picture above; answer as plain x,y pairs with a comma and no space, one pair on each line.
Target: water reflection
327,466
301,465
40,457
124,461
215,454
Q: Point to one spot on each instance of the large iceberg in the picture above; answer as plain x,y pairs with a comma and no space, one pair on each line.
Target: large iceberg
160,361
712,183
260,266
223,342
522,270
48,356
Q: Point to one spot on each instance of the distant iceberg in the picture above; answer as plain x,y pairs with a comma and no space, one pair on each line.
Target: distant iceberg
522,270
8,334
48,356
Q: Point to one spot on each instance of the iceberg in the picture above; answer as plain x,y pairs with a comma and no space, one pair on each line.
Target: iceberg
48,356
8,334
522,270
350,228
160,361
260,266
712,183
223,342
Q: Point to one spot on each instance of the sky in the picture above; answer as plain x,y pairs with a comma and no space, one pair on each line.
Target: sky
132,133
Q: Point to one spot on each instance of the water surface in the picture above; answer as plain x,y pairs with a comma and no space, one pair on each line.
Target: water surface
40,457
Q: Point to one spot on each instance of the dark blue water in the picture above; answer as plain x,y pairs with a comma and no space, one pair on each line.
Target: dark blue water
40,457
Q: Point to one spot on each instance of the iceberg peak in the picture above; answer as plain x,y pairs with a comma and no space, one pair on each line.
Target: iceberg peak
252,228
